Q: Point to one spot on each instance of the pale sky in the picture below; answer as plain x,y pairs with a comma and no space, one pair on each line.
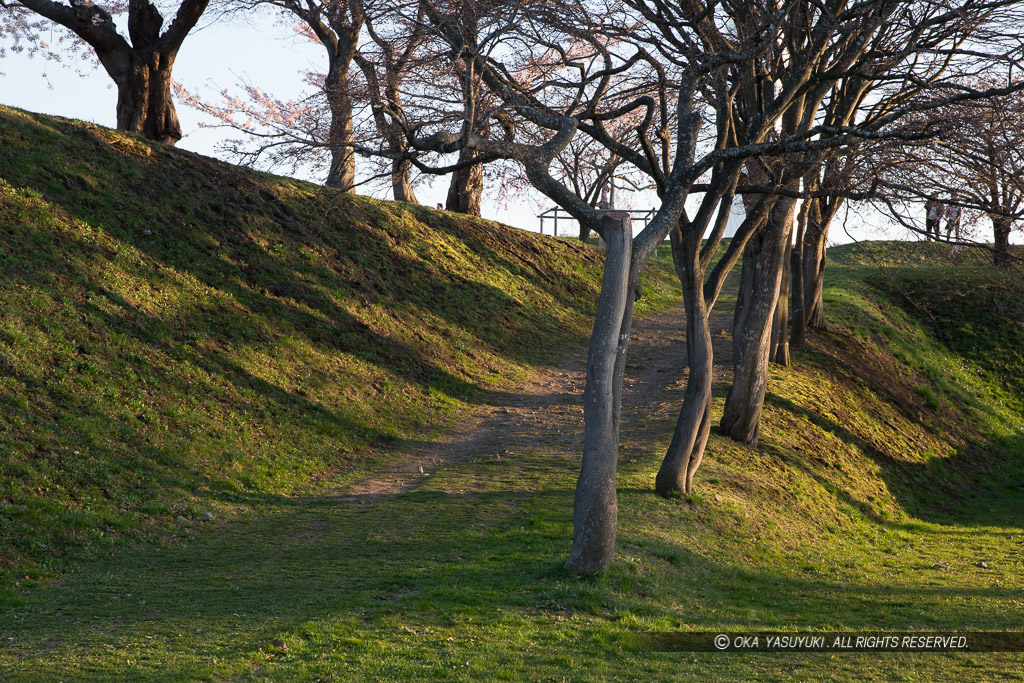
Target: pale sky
264,53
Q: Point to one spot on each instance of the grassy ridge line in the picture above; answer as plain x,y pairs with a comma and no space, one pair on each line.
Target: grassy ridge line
179,335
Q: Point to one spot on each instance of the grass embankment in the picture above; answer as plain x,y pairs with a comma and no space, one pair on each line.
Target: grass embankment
179,336
890,466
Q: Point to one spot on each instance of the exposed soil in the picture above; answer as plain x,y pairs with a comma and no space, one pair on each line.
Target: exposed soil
547,409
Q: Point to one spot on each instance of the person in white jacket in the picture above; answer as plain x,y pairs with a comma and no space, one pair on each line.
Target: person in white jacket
933,209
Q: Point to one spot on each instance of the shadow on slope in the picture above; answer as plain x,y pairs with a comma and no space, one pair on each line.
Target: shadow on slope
176,330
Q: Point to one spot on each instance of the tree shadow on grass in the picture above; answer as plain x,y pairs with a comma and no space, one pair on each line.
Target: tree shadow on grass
64,258
243,234
981,484
312,571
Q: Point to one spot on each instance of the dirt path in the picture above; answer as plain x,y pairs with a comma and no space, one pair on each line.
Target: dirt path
548,408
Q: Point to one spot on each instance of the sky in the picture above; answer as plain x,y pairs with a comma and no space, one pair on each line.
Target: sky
263,52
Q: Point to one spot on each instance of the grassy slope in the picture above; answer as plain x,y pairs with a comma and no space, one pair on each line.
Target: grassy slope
181,336
890,464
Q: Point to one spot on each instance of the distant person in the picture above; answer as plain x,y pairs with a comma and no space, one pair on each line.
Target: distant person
933,217
439,207
952,214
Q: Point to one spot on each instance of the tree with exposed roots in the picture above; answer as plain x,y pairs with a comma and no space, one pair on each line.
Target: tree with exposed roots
140,64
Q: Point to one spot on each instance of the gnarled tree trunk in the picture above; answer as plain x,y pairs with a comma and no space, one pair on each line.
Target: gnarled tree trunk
140,69
144,102
467,187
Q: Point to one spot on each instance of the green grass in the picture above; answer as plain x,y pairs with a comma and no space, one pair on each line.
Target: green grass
178,334
890,465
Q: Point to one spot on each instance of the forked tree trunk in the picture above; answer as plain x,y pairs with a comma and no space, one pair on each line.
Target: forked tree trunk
1001,229
144,102
467,187
595,508
694,423
759,285
141,69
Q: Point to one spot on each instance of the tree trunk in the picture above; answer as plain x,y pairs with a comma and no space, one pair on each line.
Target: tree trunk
752,325
595,509
798,329
401,181
686,450
1001,228
779,347
342,173
813,253
140,69
144,102
467,187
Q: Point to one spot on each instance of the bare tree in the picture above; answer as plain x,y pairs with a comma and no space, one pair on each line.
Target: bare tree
464,20
974,163
336,24
388,61
744,83
913,51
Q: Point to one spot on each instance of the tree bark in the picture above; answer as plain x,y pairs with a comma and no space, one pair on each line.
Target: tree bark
690,437
759,287
401,181
144,102
342,172
1001,229
595,508
798,329
467,187
779,347
813,254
